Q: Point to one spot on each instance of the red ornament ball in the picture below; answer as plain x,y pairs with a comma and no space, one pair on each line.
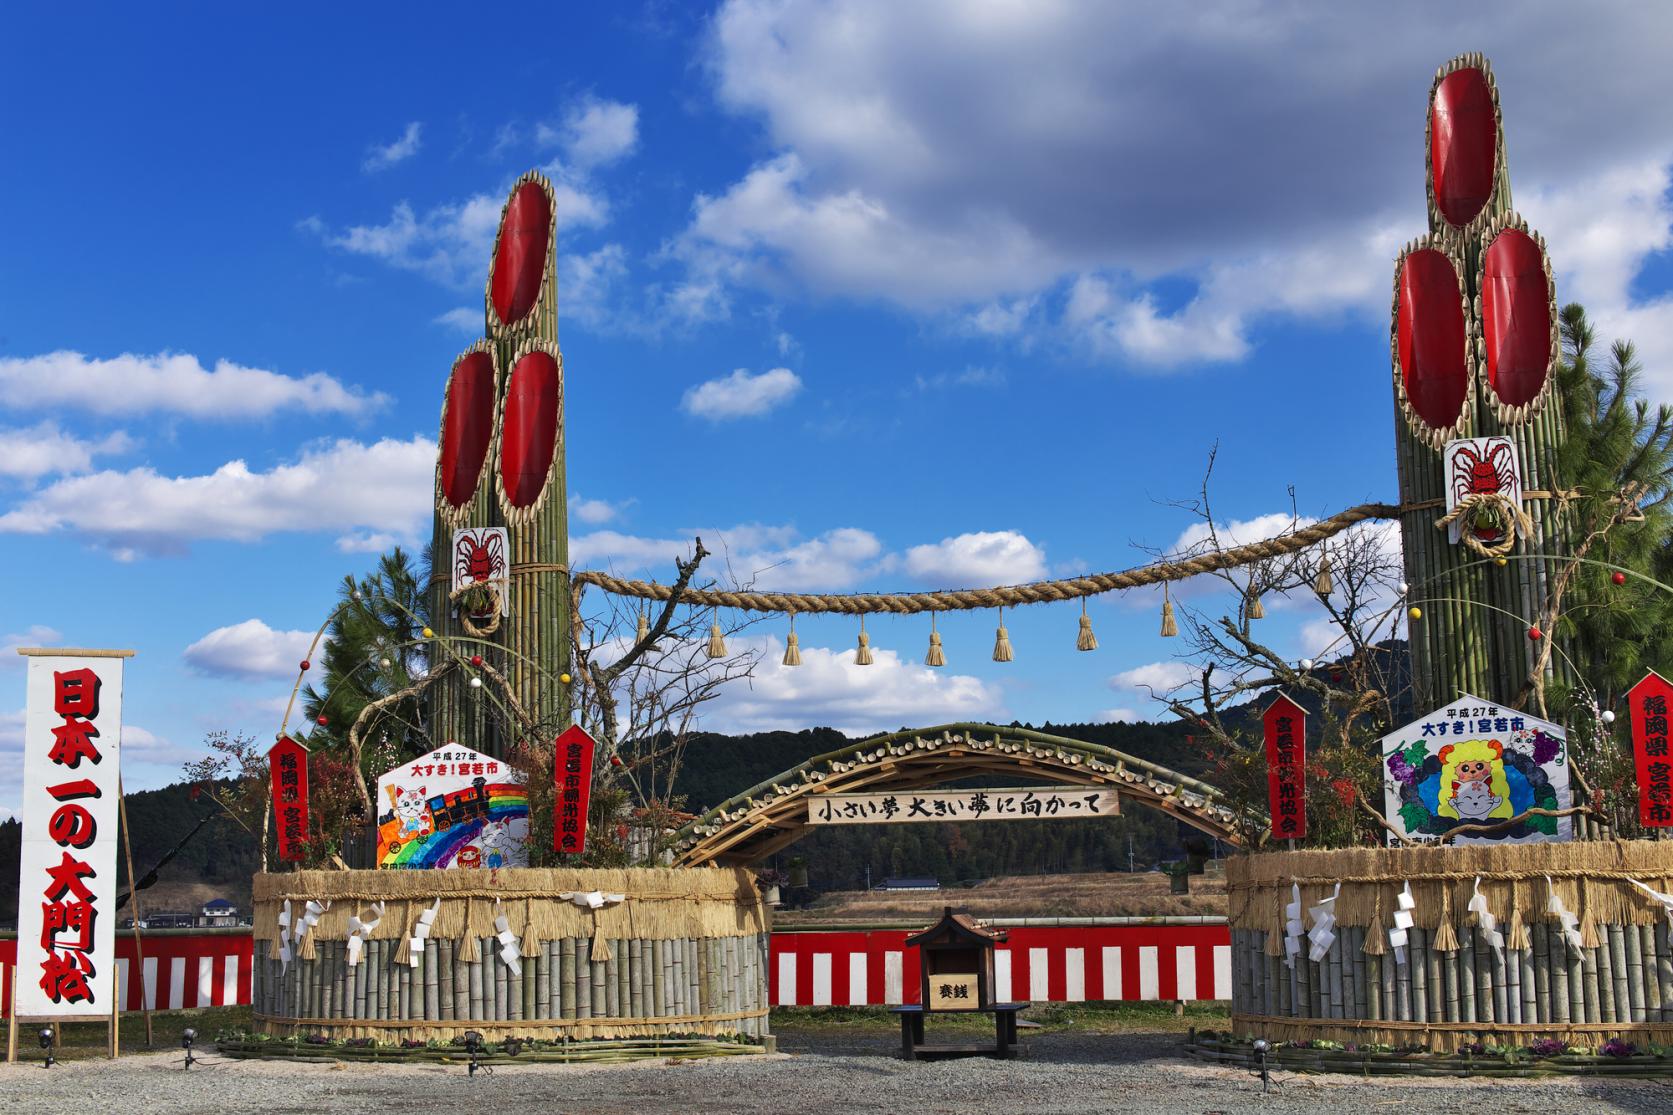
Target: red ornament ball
1619,578
323,721
615,760
305,665
476,660
1535,634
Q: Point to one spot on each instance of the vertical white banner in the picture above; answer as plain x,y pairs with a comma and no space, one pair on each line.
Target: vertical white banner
66,910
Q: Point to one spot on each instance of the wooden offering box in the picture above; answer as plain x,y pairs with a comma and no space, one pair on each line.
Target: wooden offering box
955,962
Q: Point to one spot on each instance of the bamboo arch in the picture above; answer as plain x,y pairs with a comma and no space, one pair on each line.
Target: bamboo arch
765,818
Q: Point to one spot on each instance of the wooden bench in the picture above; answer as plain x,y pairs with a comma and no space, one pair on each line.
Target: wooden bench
1005,1025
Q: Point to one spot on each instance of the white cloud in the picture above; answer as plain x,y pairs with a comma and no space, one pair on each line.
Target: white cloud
1240,532
173,383
384,156
1159,677
452,244
36,635
595,512
249,650
951,157
342,486
741,395
982,558
45,449
588,281
461,319
767,557
1117,716
142,746
827,689
970,377
594,132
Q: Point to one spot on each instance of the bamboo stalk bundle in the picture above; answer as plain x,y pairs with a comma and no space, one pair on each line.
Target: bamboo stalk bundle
565,975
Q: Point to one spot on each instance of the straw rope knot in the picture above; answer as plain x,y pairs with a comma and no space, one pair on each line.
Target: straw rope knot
1476,505
491,618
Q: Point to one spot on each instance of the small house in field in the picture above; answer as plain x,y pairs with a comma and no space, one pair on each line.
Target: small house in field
217,912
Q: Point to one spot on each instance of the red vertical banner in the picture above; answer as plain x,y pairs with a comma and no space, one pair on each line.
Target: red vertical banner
1649,700
1285,726
288,768
573,774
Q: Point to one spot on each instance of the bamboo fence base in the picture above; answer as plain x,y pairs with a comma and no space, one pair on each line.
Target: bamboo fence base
1459,983
683,955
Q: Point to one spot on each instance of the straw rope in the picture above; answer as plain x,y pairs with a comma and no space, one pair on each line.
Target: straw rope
658,1020
1519,523
1009,596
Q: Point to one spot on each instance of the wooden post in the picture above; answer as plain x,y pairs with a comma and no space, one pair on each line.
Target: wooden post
133,903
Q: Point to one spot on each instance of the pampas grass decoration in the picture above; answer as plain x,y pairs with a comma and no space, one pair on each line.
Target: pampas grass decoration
1323,584
1170,629
862,653
717,643
1002,641
1086,640
1255,609
935,657
792,649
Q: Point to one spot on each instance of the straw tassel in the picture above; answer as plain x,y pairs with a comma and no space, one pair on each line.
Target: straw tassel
1517,937
469,951
531,935
403,949
1170,629
601,946
1375,938
644,628
1086,640
792,648
1002,641
935,657
862,653
1256,611
1324,584
717,643
1446,938
1588,923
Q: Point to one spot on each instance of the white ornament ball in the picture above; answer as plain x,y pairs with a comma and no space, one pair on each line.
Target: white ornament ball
1306,663
476,683
1404,588
1608,717
384,662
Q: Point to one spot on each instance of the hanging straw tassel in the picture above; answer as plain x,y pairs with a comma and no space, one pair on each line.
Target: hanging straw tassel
601,946
717,643
1255,609
470,951
1324,584
644,628
1375,936
1517,937
1170,629
1086,640
862,653
530,945
1002,641
1446,937
934,657
792,649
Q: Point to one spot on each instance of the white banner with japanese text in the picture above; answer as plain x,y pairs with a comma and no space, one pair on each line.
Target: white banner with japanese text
962,805
66,908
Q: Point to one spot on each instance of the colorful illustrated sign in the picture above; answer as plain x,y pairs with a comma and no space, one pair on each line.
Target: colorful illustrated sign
1476,763
1023,804
66,910
1649,701
288,774
1482,466
1285,727
573,774
453,808
480,557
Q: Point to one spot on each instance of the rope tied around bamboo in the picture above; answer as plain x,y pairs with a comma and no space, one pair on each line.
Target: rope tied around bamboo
1517,522
490,612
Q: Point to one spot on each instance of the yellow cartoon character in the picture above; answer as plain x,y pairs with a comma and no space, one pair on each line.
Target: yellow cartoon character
1473,785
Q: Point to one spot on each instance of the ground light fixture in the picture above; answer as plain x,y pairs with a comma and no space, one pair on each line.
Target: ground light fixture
188,1038
1261,1047
46,1048
473,1046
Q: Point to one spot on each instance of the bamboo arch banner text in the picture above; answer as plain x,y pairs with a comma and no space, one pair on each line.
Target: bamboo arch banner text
66,948
573,773
1649,701
288,772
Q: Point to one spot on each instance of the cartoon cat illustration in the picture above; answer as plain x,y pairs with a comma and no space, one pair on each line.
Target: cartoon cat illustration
499,847
411,810
1474,799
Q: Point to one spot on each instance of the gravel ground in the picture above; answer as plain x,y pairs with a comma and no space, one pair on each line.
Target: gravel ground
824,1069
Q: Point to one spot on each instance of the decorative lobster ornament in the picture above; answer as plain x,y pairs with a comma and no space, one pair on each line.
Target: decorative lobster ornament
479,559
1484,470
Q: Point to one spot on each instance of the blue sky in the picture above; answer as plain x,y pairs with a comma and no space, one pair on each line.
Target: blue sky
880,296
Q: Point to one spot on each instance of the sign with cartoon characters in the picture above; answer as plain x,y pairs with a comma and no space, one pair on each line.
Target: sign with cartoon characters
453,808
1474,766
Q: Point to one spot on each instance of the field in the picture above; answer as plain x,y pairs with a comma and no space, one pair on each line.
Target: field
1113,894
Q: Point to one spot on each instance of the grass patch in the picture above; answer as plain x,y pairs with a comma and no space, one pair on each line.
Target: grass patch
1090,1018
79,1040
